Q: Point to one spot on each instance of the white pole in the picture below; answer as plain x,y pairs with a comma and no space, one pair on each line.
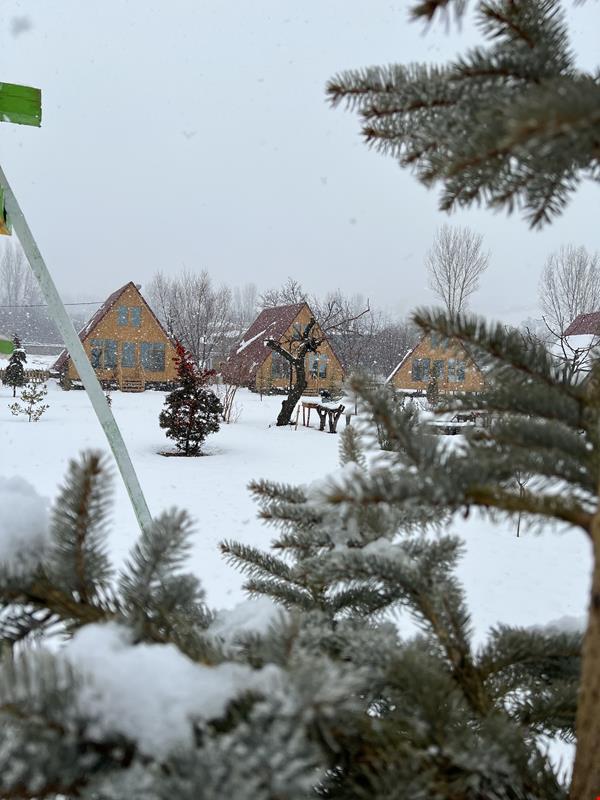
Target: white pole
78,354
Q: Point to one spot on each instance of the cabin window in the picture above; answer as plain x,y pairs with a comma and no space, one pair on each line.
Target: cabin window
438,368
317,365
110,354
129,315
297,331
421,369
323,359
153,356
128,355
103,353
280,367
456,371
96,354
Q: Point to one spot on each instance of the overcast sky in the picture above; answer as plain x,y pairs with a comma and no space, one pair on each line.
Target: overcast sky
194,133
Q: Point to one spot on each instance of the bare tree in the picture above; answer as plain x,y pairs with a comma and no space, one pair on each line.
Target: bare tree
569,286
455,263
367,340
294,351
193,311
22,308
291,292
244,306
18,286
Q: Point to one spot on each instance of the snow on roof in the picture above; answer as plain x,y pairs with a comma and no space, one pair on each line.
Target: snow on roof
244,344
401,362
582,341
251,351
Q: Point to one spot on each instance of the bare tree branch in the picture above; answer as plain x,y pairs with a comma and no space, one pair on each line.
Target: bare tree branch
455,263
569,286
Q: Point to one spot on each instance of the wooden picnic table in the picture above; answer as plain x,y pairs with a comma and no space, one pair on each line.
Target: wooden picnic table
327,413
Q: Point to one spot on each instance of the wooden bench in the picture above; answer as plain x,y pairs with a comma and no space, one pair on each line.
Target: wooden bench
327,413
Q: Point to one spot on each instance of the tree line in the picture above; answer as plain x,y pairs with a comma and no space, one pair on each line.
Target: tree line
209,318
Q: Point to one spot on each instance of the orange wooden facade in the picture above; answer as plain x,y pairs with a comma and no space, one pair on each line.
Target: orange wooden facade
126,344
323,369
448,361
255,365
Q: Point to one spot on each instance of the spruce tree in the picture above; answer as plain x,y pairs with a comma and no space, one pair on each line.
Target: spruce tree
137,695
441,718
140,696
191,410
513,124
32,397
510,125
14,374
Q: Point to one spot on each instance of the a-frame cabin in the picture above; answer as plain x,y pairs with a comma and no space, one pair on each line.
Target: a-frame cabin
251,363
126,345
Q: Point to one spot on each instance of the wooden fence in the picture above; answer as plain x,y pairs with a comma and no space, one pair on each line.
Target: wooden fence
31,375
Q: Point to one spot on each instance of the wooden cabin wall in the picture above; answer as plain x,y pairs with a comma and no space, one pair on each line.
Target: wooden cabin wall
149,331
434,351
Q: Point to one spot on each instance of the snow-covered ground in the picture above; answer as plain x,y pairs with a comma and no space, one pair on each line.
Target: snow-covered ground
529,580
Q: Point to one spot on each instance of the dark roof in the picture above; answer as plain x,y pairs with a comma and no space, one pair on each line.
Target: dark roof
251,351
99,316
584,323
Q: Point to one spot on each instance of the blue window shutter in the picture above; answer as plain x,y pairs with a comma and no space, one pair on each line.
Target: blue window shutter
110,354
96,353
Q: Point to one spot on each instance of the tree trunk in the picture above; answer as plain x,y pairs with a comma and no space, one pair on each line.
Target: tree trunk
296,392
586,772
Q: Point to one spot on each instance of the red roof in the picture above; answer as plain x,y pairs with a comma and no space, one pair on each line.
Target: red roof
251,351
584,323
98,316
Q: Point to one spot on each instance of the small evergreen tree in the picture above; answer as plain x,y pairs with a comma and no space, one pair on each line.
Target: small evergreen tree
433,391
141,698
439,718
33,407
511,125
14,374
191,410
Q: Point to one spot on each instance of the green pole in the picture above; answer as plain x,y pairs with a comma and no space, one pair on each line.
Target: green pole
22,105
78,354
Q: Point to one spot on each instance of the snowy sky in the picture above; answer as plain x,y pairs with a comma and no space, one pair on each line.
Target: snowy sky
195,133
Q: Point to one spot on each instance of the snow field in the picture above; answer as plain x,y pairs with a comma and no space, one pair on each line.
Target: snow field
535,579
530,580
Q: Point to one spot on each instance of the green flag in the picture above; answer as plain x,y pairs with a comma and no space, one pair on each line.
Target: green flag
20,104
